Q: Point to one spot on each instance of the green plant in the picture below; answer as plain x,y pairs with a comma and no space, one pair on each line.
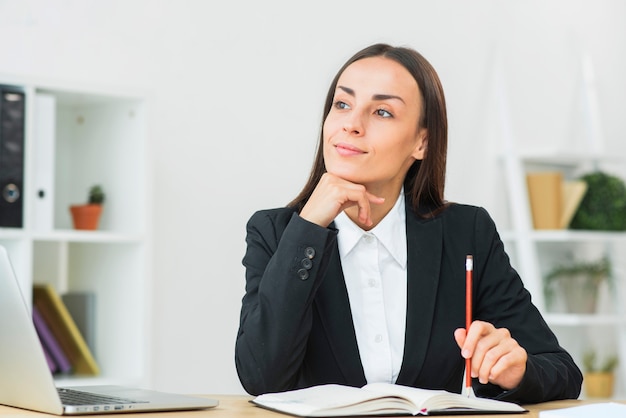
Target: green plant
590,363
578,282
596,271
604,204
96,195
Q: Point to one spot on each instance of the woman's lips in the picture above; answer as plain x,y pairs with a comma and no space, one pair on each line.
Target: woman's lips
347,150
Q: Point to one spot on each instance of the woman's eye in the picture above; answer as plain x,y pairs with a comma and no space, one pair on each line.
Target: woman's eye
383,113
341,105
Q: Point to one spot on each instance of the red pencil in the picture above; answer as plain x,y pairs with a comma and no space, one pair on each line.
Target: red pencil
469,267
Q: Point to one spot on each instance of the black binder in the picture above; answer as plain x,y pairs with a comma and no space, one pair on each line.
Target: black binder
12,115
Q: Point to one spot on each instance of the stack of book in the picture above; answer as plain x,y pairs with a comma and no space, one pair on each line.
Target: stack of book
553,201
63,342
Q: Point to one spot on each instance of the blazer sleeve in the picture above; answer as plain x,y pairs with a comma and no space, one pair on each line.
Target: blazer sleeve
285,261
502,300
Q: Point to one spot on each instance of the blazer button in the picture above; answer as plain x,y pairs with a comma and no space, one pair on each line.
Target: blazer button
309,252
303,274
306,263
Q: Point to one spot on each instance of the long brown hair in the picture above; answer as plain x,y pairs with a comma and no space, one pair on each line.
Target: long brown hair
424,182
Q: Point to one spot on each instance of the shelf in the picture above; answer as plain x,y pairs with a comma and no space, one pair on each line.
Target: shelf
74,380
75,138
72,236
11,233
87,236
574,320
566,235
535,252
566,159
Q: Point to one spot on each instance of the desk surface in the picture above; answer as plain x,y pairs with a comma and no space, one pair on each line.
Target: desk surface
235,406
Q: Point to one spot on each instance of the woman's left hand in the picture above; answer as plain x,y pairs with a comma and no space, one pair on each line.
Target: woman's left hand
496,357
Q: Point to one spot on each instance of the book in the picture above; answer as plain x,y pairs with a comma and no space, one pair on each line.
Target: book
58,318
82,308
573,194
51,364
44,131
334,400
545,192
12,123
51,346
602,409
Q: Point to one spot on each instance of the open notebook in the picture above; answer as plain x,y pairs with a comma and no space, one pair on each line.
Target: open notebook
26,381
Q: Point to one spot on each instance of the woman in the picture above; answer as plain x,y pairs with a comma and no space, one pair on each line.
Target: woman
362,277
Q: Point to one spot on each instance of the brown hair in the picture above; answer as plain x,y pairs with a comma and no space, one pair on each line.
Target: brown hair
424,182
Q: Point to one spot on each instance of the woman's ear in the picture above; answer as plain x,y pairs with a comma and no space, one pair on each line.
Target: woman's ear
422,142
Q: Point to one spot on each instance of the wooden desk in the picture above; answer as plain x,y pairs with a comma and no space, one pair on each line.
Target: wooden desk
237,406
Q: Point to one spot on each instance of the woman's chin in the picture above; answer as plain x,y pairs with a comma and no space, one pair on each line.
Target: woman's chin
348,176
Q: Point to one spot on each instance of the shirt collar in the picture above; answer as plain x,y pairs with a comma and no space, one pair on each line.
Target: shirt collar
391,232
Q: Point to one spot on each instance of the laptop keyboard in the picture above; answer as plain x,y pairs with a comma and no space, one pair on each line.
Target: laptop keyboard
76,397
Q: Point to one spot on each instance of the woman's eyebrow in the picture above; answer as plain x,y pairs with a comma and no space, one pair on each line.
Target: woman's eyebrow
377,97
386,97
347,90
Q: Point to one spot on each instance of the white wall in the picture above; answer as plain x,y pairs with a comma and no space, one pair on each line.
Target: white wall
238,87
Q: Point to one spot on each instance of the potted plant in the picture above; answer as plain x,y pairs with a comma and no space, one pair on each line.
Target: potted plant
87,216
578,283
604,206
599,378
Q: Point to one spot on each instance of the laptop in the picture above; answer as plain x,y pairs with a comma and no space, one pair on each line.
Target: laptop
26,381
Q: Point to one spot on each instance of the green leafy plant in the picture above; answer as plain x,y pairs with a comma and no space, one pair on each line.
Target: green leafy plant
96,195
590,363
595,270
604,205
579,282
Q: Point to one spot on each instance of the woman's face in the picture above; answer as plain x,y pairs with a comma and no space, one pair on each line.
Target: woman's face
371,135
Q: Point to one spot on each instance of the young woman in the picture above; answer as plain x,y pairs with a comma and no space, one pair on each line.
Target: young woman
361,278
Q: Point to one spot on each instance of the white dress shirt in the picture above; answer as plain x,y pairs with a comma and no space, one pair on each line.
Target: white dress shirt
374,267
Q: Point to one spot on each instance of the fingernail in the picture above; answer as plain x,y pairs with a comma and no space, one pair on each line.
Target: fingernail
465,353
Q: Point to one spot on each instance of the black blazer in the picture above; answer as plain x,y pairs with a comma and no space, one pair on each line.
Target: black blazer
296,326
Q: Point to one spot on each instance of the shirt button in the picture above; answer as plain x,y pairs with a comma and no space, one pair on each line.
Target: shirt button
309,252
303,274
306,263
371,283
378,338
368,239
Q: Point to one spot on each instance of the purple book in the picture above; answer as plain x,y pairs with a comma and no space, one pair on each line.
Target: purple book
51,363
50,343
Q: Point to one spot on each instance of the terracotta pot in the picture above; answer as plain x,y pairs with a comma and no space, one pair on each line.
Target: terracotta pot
86,216
599,384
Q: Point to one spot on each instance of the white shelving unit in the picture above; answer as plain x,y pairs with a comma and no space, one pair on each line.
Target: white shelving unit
76,137
535,252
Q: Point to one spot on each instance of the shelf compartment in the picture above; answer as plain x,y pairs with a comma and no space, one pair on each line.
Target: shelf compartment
108,271
90,139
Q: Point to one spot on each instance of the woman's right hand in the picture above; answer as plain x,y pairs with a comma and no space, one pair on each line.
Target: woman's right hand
333,195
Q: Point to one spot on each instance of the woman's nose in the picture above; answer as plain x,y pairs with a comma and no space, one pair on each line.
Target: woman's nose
353,124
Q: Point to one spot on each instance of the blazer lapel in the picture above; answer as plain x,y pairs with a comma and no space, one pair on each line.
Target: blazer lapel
424,247
334,310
